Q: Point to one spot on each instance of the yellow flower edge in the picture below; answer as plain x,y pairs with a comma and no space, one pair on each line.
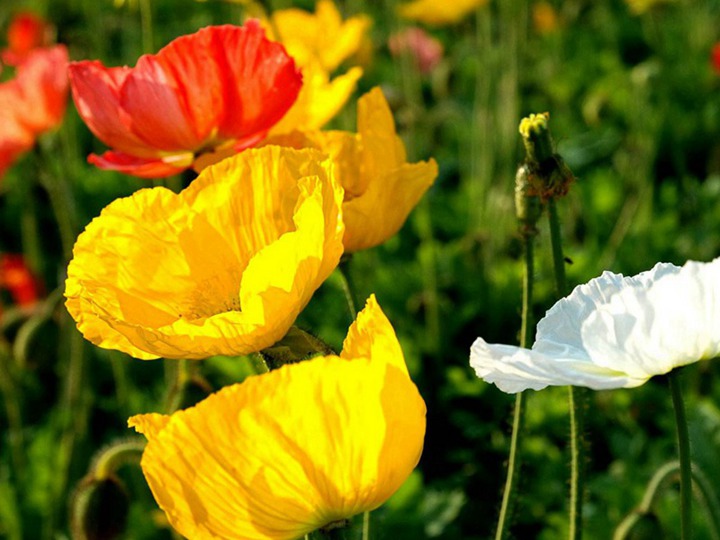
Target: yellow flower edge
381,187
437,13
224,267
320,99
321,36
293,450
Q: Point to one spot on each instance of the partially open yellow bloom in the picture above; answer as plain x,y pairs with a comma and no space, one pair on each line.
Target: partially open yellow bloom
438,12
293,450
224,267
318,42
381,187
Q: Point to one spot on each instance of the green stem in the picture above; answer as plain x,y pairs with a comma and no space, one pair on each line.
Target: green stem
61,199
29,229
508,501
683,455
10,389
366,526
347,285
576,396
146,23
116,455
72,421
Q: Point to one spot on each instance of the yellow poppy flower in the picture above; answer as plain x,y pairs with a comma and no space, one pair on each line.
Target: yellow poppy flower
381,187
224,267
322,36
438,13
318,42
293,450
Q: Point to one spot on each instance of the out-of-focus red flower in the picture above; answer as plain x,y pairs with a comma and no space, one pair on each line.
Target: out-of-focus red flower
715,58
33,102
27,32
201,98
18,280
425,50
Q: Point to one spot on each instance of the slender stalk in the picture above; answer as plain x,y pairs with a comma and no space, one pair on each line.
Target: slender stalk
29,229
665,475
513,466
683,456
147,26
9,387
116,455
576,396
348,285
366,526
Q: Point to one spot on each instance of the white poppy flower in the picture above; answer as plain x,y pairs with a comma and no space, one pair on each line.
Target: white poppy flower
615,332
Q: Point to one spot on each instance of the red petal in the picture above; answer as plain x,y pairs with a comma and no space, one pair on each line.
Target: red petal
151,98
95,90
136,166
260,82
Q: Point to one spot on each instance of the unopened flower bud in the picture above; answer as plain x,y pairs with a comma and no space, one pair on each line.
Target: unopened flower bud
99,509
527,204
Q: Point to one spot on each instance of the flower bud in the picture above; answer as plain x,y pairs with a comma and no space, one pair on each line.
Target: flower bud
99,509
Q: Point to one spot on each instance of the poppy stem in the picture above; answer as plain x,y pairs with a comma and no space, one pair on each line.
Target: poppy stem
528,232
366,526
146,23
683,456
576,396
348,285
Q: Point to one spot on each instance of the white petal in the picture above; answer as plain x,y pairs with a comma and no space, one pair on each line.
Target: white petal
649,329
513,369
615,331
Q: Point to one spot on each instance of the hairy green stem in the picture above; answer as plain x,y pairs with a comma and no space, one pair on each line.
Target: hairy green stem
508,500
116,455
683,456
576,396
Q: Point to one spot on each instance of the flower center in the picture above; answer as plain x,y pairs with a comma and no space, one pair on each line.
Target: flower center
213,295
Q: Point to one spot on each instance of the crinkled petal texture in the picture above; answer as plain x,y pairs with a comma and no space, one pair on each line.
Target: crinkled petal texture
222,268
293,450
438,13
222,86
381,188
615,332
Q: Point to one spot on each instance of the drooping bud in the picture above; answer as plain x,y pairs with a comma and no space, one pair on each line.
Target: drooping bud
100,504
99,509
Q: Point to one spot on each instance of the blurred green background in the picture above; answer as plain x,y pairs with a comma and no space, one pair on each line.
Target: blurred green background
634,102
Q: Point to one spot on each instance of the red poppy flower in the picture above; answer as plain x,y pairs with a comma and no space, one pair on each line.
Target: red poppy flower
203,97
33,102
26,32
18,280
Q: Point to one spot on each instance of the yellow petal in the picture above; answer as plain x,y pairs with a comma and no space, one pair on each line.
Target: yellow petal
372,336
160,274
319,100
290,451
322,36
381,188
438,13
